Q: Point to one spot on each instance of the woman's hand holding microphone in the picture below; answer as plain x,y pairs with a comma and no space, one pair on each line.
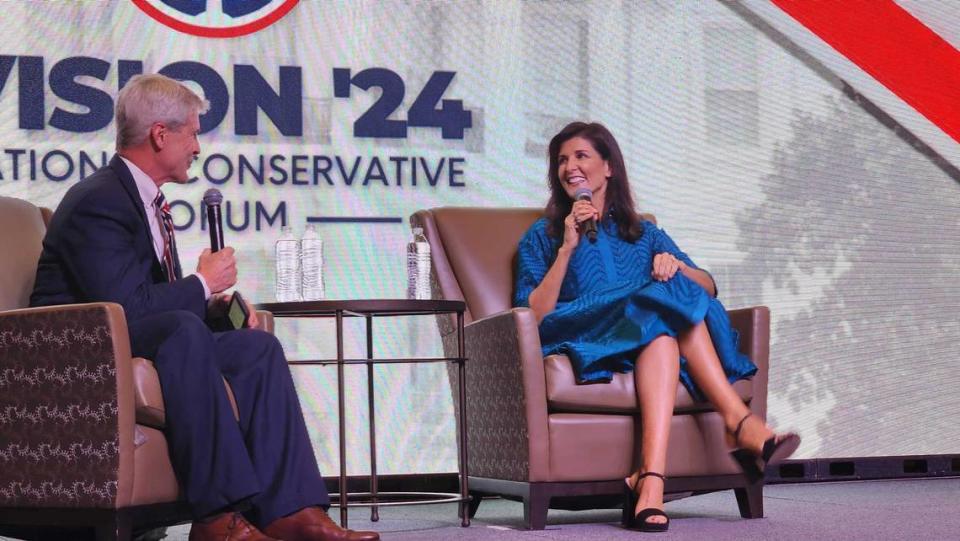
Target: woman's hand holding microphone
582,211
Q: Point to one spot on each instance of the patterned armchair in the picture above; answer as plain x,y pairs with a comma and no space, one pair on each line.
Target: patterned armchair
533,434
81,421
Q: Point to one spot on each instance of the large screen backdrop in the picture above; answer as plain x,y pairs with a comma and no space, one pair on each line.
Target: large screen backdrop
792,194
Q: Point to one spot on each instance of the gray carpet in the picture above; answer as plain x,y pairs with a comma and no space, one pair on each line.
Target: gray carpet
927,509
878,510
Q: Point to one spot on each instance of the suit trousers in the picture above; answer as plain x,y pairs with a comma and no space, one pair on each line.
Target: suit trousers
266,458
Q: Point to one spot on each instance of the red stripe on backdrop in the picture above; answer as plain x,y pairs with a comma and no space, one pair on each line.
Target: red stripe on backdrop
894,47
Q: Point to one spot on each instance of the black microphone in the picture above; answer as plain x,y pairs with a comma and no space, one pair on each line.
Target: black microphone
212,199
590,226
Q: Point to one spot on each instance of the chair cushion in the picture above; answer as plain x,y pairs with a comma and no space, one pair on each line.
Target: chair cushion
149,399
22,227
147,395
618,396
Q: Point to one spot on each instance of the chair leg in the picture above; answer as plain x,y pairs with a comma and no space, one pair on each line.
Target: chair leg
475,499
535,506
116,528
750,500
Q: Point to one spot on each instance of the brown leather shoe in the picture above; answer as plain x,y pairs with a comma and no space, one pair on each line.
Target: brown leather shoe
227,527
314,524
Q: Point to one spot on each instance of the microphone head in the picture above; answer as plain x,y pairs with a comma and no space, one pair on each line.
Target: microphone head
212,197
583,194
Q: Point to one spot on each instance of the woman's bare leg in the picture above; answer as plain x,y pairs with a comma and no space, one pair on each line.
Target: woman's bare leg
656,376
706,370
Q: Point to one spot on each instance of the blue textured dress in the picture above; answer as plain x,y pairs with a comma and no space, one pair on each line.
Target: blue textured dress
609,306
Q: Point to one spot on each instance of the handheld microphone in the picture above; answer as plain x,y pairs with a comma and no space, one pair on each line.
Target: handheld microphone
589,226
212,199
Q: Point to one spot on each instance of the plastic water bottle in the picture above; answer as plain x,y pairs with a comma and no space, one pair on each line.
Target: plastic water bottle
288,267
418,266
311,264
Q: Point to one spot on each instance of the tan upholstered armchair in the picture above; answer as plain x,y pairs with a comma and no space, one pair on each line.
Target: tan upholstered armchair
81,421
533,434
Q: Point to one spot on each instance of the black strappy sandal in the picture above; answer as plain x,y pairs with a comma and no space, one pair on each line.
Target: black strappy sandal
639,522
775,449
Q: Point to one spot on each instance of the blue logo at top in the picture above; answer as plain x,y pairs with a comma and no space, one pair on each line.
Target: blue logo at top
231,8
223,19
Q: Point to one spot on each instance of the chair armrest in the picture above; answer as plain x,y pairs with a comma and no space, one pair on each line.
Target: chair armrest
150,408
506,397
265,320
753,324
66,407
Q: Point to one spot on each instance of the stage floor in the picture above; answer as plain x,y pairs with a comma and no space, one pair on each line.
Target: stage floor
927,509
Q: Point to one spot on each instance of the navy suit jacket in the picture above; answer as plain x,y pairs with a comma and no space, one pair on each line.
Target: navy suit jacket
98,247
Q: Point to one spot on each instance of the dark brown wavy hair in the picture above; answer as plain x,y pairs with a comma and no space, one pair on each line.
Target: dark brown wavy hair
618,198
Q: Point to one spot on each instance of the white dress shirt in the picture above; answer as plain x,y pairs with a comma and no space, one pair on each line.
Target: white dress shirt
148,192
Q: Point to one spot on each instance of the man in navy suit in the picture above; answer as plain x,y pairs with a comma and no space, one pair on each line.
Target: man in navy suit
111,239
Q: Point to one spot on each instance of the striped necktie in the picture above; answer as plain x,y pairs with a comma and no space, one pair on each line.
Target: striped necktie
170,257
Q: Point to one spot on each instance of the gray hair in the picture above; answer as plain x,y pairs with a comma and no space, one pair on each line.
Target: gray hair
151,98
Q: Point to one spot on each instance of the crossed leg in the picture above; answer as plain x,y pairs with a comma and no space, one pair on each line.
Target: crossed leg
707,372
656,376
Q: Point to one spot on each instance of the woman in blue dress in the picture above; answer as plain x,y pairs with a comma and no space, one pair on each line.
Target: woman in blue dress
629,299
